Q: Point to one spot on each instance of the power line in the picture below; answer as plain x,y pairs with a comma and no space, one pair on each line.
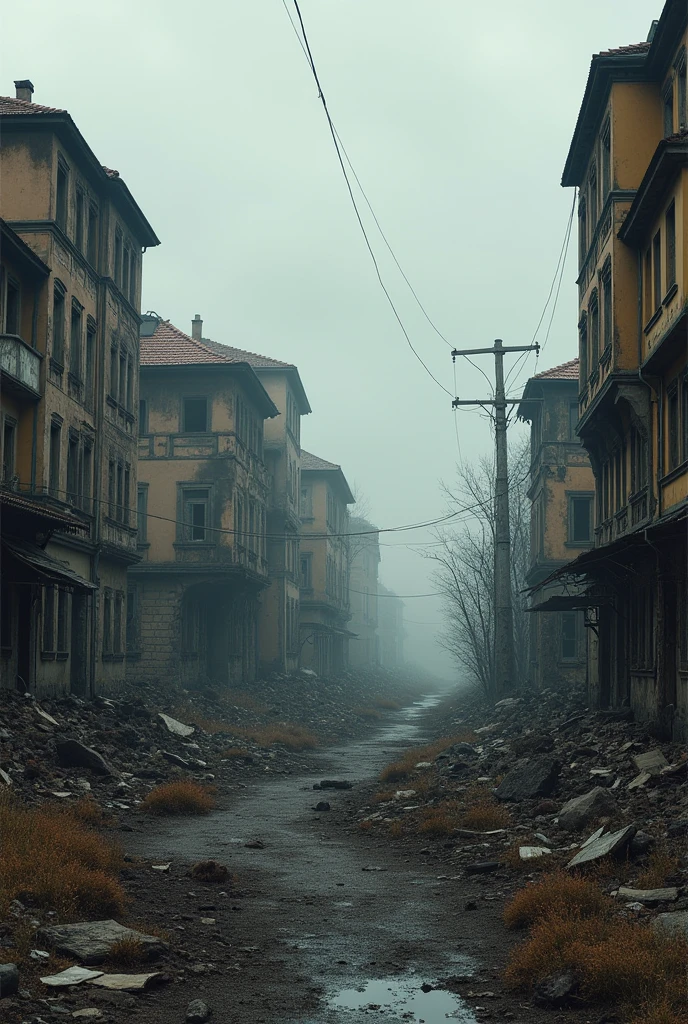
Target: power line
404,597
339,150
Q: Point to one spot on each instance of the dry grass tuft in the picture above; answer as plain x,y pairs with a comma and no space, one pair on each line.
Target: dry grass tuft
370,714
660,866
401,769
236,752
50,859
396,829
209,871
616,961
178,798
383,797
483,812
365,825
556,892
127,952
246,701
284,734
441,819
88,811
386,704
661,1014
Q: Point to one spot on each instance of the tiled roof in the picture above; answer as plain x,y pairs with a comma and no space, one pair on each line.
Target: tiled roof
254,359
10,105
566,371
621,51
168,346
309,461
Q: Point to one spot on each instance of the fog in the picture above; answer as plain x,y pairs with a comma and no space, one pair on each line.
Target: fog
457,119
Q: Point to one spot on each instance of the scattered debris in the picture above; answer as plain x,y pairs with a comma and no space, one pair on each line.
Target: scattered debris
648,895
175,727
674,923
529,779
576,813
128,982
209,871
652,761
197,1012
71,753
72,976
532,852
556,991
604,846
91,941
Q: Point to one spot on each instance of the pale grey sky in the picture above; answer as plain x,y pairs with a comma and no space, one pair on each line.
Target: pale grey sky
457,118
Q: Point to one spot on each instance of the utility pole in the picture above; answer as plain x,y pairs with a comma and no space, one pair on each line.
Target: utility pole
504,618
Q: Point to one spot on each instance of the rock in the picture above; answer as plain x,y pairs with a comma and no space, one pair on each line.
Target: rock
470,905
88,1013
533,743
675,923
532,852
73,754
209,871
482,867
9,980
651,761
322,805
72,976
197,1012
576,813
175,727
463,750
640,844
128,982
255,844
667,895
529,779
91,941
603,846
555,991
4,777
163,868
175,759
336,784
639,781
678,828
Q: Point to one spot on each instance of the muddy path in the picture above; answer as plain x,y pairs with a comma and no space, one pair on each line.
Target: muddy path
333,926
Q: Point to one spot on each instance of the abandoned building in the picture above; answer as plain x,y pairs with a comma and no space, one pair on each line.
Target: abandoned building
70,300
561,493
325,612
202,512
364,559
629,161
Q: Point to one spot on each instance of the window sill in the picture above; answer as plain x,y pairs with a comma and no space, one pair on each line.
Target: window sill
674,473
670,294
143,545
48,655
111,401
653,320
194,544
56,367
62,656
113,657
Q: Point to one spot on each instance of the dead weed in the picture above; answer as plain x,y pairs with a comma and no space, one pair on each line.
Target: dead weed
178,798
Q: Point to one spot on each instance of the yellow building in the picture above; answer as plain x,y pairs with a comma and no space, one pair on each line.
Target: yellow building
202,512
364,559
324,612
278,619
629,161
82,222
561,492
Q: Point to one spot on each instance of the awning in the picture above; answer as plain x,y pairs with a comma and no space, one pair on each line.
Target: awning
12,502
34,565
608,556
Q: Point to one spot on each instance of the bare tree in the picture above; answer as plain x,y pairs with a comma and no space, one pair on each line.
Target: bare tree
464,571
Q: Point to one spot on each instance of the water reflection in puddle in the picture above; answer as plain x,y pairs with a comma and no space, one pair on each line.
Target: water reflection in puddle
405,999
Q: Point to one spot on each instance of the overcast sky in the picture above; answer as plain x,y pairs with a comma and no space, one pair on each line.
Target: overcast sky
457,118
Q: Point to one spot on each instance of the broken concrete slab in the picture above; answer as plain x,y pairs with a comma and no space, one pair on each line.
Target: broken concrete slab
4,777
593,838
532,852
529,779
651,761
672,923
175,727
127,982
667,895
88,1013
639,781
91,941
605,846
72,976
71,753
576,813
46,717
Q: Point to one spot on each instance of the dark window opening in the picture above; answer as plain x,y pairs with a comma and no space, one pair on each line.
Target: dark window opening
54,469
61,196
5,617
117,624
130,385
682,84
127,491
125,271
594,318
143,416
111,489
669,111
118,258
573,420
12,308
606,162
196,515
306,567
195,415
86,481
583,351
647,282
62,620
569,636
657,270
58,325
90,367
107,622
674,428
48,619
8,450
141,517
92,234
75,342
79,225
607,309
114,363
684,415
580,520
593,198
72,469
670,244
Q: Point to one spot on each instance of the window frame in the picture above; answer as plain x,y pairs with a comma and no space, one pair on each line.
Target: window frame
202,496
657,292
574,617
58,325
62,194
142,514
9,426
183,417
571,498
76,332
670,246
54,457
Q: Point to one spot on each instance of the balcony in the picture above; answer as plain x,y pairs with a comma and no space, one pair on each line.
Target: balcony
20,366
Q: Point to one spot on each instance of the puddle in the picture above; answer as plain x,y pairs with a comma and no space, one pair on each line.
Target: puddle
404,998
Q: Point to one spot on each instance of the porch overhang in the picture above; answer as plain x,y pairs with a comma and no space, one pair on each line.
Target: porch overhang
33,565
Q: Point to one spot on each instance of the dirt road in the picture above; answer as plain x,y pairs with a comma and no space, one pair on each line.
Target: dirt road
333,927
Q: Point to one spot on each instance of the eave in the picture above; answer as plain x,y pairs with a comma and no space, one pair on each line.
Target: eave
245,370
296,383
671,157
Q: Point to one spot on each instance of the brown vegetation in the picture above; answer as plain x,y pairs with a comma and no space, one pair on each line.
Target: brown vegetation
660,866
441,819
178,798
50,859
558,891
401,769
127,952
292,737
236,752
209,871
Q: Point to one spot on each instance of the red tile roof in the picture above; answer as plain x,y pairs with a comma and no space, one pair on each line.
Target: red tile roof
566,371
621,51
168,346
10,105
309,461
254,359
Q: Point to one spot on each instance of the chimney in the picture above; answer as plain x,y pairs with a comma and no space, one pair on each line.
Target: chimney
653,29
197,328
24,89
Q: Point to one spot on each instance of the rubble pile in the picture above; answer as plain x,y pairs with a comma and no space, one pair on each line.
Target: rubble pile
115,749
581,788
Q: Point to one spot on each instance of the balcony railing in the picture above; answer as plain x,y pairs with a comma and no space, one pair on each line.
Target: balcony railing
20,366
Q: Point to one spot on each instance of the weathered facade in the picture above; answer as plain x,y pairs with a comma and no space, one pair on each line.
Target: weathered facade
629,160
80,219
390,628
324,612
278,618
561,492
364,560
202,513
